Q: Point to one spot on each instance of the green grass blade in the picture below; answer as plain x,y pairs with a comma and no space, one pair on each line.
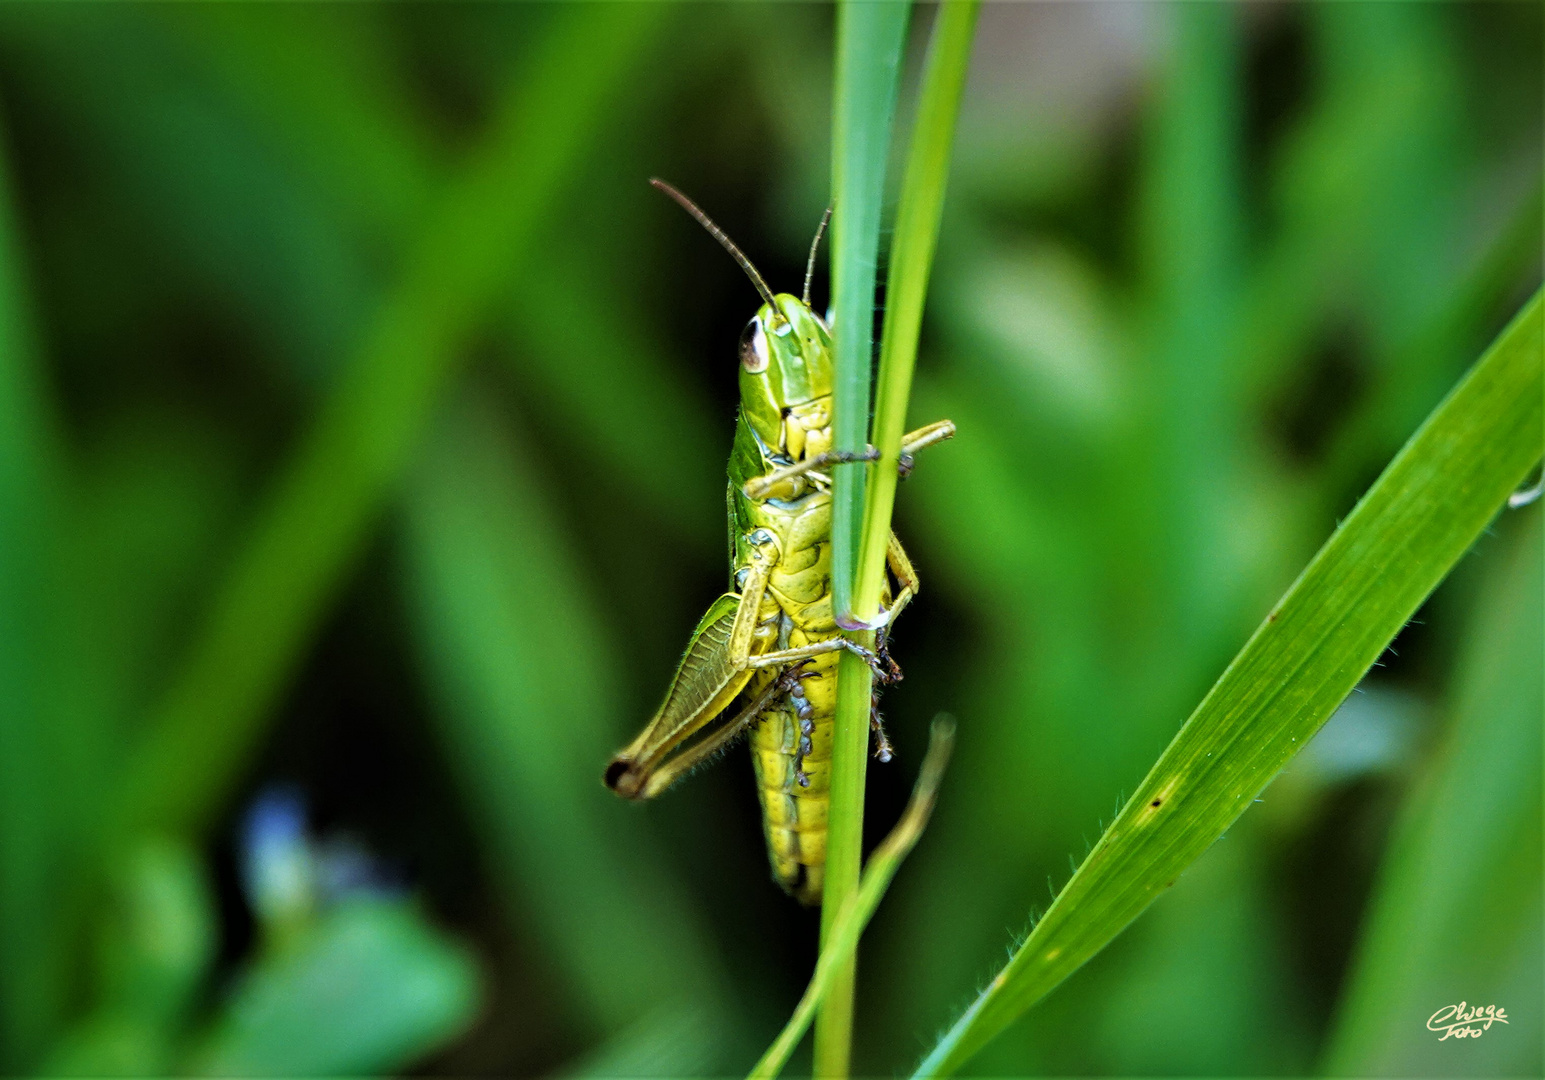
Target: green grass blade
911,259
519,665
1457,909
31,982
561,324
339,111
154,947
856,913
1189,238
333,116
869,40
324,503
1404,536
844,850
870,34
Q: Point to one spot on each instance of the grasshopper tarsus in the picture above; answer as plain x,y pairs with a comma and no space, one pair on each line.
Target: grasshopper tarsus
791,678
882,674
882,744
889,672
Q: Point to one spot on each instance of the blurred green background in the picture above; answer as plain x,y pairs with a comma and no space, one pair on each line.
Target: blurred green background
362,426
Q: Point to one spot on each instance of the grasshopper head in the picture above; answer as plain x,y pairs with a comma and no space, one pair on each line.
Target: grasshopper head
785,356
786,378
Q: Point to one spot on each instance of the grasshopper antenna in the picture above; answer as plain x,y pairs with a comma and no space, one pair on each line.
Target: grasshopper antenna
718,234
815,246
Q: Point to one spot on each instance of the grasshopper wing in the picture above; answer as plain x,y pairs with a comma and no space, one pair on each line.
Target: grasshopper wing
705,683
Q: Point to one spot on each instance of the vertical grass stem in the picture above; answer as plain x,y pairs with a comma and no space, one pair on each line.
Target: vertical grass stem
868,60
861,905
912,250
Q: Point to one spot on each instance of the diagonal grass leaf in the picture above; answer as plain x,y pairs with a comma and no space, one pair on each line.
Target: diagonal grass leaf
1400,541
324,502
1458,902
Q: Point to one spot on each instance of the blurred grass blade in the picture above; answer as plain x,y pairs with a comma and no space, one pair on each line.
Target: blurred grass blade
332,116
870,34
664,1043
911,259
209,201
561,324
521,673
856,913
32,791
1457,909
324,87
1195,452
156,943
323,505
1404,536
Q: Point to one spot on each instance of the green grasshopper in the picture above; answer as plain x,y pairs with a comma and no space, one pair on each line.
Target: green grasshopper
773,640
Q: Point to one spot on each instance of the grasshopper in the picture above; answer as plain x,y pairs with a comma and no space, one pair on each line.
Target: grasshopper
771,643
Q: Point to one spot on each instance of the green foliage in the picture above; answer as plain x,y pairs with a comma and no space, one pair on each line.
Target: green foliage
472,240
1459,888
365,988
508,629
155,950
35,807
362,418
1315,645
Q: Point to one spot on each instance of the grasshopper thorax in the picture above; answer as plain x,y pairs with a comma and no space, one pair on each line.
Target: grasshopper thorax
786,378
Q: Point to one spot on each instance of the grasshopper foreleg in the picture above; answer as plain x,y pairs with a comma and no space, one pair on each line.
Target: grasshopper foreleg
759,487
817,648
906,578
913,441
888,672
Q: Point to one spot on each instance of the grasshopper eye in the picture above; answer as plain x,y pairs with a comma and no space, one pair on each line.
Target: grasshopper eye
753,347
